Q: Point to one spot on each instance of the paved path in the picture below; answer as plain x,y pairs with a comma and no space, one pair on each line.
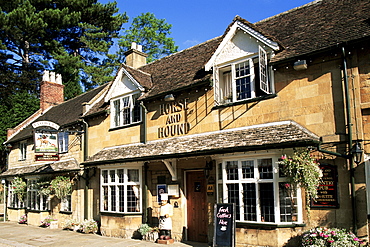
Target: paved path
17,235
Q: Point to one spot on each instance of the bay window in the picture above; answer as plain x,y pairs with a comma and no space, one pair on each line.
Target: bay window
245,79
258,191
125,110
36,200
121,190
13,199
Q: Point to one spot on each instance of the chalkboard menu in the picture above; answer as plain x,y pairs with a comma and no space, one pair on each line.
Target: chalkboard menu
224,225
327,192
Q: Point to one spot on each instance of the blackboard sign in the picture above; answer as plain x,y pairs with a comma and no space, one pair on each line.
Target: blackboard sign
224,225
327,192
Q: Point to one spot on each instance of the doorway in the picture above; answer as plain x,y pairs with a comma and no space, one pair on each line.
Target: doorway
196,207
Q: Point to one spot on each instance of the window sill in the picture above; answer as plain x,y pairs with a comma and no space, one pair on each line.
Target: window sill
268,226
65,212
37,211
16,208
260,98
125,126
117,214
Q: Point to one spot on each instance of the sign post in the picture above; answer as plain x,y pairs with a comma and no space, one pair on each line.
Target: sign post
224,233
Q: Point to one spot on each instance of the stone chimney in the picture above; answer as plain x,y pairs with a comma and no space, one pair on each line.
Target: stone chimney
135,57
51,90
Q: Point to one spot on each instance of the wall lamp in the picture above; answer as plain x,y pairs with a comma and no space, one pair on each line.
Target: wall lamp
8,147
300,65
169,97
356,152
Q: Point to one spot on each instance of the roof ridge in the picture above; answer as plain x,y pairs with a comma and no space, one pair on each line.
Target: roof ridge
176,53
289,11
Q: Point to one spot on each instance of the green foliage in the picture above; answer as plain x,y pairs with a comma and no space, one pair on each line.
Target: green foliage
330,237
62,186
19,188
152,34
302,170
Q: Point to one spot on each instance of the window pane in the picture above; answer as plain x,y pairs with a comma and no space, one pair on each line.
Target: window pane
267,202
121,177
105,176
248,169
137,109
133,175
112,175
113,197
117,112
288,200
105,198
232,170
233,197
265,168
121,198
249,201
126,116
133,194
243,88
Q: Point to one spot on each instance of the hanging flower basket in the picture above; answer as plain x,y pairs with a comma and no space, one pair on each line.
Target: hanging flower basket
62,186
302,170
19,188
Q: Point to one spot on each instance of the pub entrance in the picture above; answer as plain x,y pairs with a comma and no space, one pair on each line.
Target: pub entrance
196,206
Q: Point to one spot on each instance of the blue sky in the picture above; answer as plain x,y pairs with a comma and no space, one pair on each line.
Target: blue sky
196,21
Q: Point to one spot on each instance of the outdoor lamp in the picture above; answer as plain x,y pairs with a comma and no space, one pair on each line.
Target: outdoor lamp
356,153
169,97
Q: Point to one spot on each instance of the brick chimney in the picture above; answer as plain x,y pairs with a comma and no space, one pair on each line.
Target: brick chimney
135,57
51,90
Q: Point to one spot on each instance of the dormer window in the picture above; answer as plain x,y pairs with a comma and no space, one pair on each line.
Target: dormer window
244,79
125,110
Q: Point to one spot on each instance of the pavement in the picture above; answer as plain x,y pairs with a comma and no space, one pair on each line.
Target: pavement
13,234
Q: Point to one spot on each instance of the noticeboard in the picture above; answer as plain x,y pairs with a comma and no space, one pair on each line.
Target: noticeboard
224,232
327,192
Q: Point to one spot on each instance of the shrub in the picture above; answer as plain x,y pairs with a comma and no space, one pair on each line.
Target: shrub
46,222
329,237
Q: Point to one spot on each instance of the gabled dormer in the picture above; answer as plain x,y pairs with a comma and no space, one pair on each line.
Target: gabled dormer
240,64
123,97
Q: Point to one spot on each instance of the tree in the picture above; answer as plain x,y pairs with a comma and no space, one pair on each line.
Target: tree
71,36
152,34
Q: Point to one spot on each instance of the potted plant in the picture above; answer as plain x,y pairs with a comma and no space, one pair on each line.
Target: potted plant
302,170
47,221
23,219
89,226
330,237
149,233
19,188
62,186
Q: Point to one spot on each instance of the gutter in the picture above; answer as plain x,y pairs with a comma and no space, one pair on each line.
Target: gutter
349,125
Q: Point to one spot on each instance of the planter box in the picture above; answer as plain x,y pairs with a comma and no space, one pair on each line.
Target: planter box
53,225
151,236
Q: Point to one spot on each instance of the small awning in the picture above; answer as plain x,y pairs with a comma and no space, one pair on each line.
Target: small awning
258,137
50,168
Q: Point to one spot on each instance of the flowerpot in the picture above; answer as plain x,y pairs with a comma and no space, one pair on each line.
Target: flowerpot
151,236
53,225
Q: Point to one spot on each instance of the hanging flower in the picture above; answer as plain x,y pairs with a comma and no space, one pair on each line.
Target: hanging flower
19,187
301,170
62,186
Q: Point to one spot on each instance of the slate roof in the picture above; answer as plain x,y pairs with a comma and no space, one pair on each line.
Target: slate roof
317,26
64,114
310,28
53,167
265,136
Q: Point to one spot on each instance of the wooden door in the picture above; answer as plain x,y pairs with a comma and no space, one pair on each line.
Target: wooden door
196,206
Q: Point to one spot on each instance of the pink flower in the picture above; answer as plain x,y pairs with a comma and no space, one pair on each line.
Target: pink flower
283,157
330,241
287,186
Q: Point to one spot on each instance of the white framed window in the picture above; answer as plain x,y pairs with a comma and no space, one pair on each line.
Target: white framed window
121,190
244,79
125,110
63,138
22,150
66,204
13,199
35,200
260,194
